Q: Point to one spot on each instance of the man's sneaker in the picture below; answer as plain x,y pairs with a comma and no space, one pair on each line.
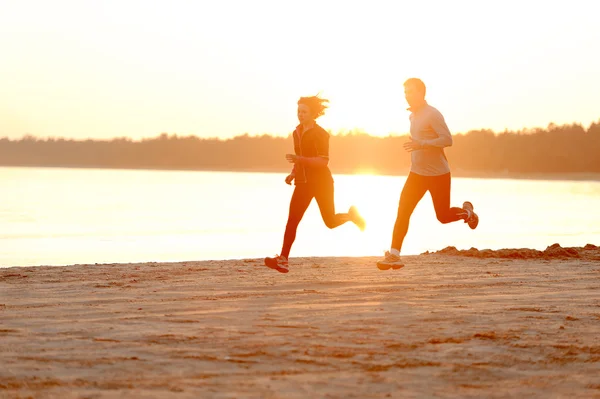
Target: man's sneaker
279,263
390,261
473,219
355,217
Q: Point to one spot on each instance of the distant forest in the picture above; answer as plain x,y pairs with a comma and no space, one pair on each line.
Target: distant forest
566,149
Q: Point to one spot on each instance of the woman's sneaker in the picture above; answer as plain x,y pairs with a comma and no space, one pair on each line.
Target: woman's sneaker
355,217
473,219
279,263
390,261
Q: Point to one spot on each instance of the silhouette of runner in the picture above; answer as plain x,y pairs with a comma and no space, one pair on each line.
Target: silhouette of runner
312,179
429,171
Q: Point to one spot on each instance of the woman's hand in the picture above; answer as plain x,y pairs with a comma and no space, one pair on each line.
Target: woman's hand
291,158
290,178
412,145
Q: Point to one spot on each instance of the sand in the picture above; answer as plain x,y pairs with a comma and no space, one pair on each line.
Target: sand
449,324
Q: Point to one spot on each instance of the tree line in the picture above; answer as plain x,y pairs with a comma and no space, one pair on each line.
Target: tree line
556,149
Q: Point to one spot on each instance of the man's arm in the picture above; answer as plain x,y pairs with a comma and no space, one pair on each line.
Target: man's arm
438,124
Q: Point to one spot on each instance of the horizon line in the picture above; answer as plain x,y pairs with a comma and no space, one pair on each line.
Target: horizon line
339,133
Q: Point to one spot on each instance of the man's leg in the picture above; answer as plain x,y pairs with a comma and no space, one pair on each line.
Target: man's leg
414,189
412,192
439,187
440,194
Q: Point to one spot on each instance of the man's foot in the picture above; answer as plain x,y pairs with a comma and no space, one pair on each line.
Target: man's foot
355,217
279,263
390,261
473,219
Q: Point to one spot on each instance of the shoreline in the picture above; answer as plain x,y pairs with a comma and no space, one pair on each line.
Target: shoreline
554,251
571,176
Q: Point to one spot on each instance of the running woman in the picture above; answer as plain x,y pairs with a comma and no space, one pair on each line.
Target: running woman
429,171
312,179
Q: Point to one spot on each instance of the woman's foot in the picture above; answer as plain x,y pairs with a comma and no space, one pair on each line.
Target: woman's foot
279,263
355,217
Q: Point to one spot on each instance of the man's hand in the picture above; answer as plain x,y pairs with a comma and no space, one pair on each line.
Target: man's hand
290,178
291,158
412,145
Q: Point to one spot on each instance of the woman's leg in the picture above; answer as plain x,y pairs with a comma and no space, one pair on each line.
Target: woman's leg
325,198
301,198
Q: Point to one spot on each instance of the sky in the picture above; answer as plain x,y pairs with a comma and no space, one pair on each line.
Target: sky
104,69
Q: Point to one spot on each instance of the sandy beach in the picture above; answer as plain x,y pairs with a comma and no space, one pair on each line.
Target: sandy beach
469,324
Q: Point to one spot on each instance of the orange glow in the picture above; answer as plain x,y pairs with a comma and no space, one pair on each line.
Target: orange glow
221,69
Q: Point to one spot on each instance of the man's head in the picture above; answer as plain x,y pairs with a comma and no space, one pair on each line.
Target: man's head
414,92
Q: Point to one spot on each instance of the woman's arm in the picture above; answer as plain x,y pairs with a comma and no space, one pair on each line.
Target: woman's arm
317,162
322,158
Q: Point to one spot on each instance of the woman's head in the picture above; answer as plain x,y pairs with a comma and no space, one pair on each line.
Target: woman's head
310,108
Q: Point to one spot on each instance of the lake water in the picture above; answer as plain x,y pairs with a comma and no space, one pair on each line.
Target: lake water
52,216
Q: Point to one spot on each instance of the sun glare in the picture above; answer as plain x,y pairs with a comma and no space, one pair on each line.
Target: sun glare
112,69
366,172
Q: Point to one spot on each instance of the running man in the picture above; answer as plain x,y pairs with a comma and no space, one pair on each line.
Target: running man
429,171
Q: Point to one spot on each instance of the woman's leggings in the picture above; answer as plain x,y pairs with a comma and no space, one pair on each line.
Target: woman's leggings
301,199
